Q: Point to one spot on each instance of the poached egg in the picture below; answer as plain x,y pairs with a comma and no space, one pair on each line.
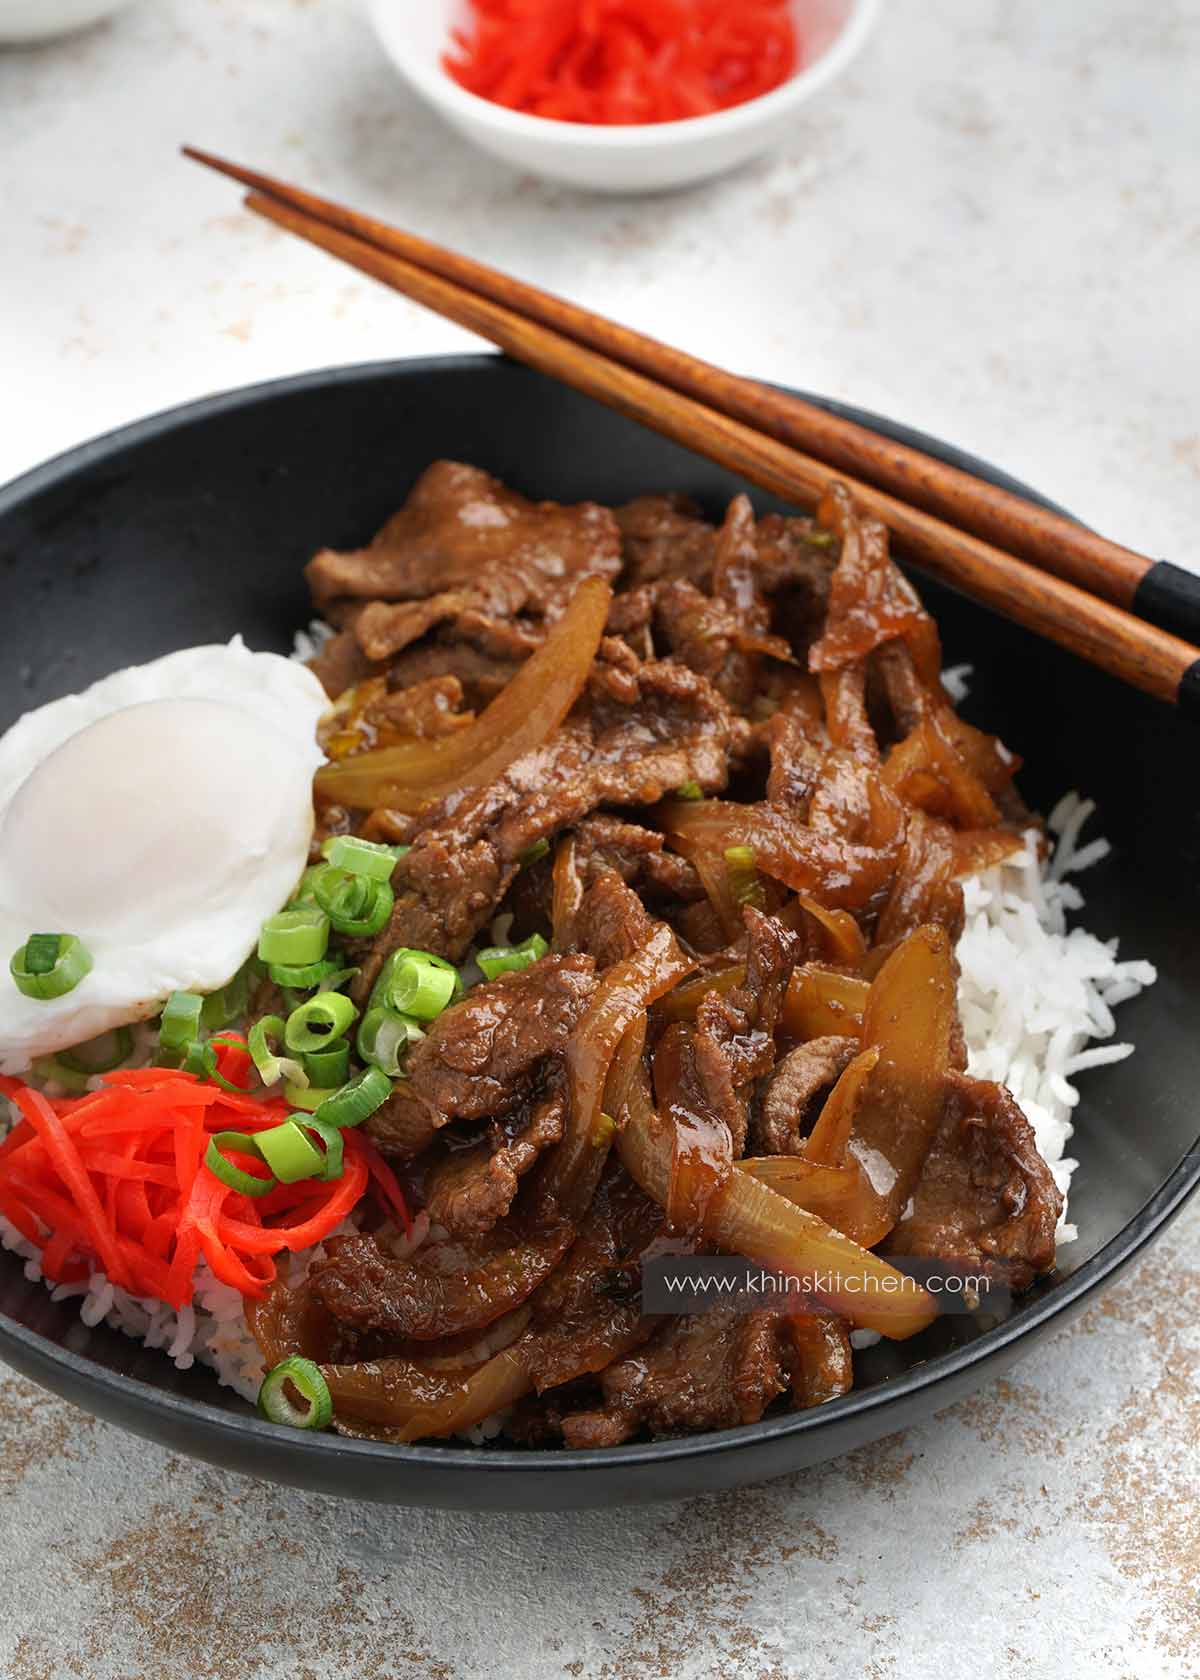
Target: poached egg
161,816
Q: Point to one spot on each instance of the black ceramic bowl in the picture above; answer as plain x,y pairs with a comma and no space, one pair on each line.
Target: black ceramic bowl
195,524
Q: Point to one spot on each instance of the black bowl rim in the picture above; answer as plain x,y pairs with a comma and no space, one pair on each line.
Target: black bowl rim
130,1394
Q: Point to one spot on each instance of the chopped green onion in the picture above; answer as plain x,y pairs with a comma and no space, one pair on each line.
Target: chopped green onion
357,905
222,1008
741,863
248,1184
234,1043
381,993
306,1096
289,1154
331,1138
41,952
303,895
55,1068
329,1068
421,988
689,790
531,854
511,959
49,965
303,978
354,1102
306,1379
180,1023
272,1067
384,1036
120,1043
199,1058
322,1019
295,937
359,857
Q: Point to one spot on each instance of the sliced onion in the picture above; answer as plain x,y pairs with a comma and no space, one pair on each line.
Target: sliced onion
524,714
748,1218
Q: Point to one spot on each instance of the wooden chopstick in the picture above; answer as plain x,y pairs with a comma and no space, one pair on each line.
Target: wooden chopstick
1156,590
1147,658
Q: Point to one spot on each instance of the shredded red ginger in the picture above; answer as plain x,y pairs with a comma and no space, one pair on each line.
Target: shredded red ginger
623,61
116,1181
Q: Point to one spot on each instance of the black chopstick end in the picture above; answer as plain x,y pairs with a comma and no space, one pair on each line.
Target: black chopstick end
1188,694
1170,597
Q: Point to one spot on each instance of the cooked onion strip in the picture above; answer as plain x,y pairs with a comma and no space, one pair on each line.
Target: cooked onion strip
524,714
822,1003
805,859
748,1218
624,994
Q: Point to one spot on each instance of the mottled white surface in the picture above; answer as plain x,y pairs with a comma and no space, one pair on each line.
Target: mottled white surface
991,229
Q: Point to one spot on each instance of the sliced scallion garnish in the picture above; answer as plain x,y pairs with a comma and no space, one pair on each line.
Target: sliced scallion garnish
511,959
54,1068
331,1139
741,864
180,1023
357,905
248,1184
328,1068
295,937
49,965
381,993
309,1384
318,1022
354,1102
302,977
305,1096
421,986
102,1054
360,857
272,1067
290,1155
383,1038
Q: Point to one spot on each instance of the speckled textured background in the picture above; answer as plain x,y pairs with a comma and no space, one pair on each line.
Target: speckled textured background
990,228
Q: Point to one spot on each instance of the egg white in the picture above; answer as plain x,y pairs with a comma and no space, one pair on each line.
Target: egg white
160,815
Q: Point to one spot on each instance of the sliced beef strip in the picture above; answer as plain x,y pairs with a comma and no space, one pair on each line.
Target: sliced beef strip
467,851
340,663
743,1020
787,1104
469,1189
985,1196
462,531
590,1310
612,922
722,635
822,1364
481,674
665,537
701,1371
426,710
707,1070
482,1056
445,1288
604,841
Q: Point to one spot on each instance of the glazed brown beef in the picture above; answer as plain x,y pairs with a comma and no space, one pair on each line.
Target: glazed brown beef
482,1056
665,728
558,1125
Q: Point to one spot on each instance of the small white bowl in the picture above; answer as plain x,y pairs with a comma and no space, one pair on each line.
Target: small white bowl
23,21
647,157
